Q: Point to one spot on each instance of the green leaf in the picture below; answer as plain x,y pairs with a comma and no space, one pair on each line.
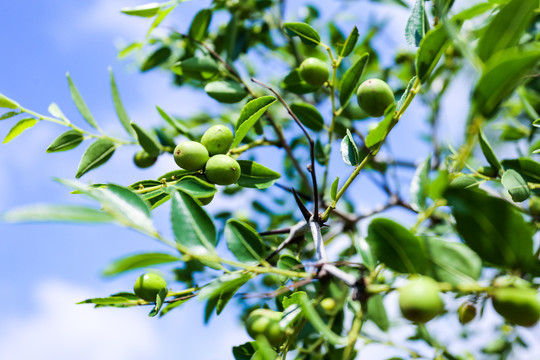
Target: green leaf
157,58
171,306
138,261
202,68
57,213
405,94
19,128
502,75
351,79
112,300
9,114
492,227
536,123
348,47
66,141
349,151
529,169
196,187
146,10
225,91
377,313
255,175
95,155
308,115
223,288
55,111
244,242
375,137
7,103
488,151
160,299
506,27
287,262
175,124
417,25
396,247
199,26
516,186
119,107
123,204
294,83
430,51
306,33
244,351
161,15
420,185
81,105
147,142
192,227
251,112
451,262
334,188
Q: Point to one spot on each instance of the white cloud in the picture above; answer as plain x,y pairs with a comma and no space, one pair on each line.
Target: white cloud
63,330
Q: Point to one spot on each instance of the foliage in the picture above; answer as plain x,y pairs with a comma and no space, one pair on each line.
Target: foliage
473,238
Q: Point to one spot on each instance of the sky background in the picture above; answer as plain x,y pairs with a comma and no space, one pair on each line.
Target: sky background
46,268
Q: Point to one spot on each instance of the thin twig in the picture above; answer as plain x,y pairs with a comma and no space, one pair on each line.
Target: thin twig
295,232
311,146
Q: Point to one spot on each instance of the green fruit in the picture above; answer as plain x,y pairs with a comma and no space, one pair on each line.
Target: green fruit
314,71
517,305
374,96
488,171
222,170
191,155
328,304
265,322
534,206
148,286
419,300
217,139
143,159
466,312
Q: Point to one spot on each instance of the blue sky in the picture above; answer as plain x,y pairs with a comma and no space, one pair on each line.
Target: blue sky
46,268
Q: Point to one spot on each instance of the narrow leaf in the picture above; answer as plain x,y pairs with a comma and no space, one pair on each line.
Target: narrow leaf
147,142
7,103
175,124
138,261
19,128
348,47
255,175
227,92
349,151
9,114
529,169
199,25
66,141
97,154
417,25
81,105
306,33
146,10
294,83
488,151
308,115
377,313
244,242
375,137
420,185
351,79
249,115
57,213
334,188
119,107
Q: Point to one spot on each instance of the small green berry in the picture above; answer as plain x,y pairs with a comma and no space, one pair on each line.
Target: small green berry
314,71
374,96
328,304
265,322
191,155
217,139
222,170
419,300
466,312
143,159
148,286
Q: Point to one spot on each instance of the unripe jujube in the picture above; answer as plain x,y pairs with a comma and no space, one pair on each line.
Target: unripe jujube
191,155
148,286
265,322
143,159
217,139
517,305
374,96
222,170
419,300
466,312
314,71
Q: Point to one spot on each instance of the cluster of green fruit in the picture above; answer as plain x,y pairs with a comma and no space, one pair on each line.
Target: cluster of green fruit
210,155
265,323
373,95
420,301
